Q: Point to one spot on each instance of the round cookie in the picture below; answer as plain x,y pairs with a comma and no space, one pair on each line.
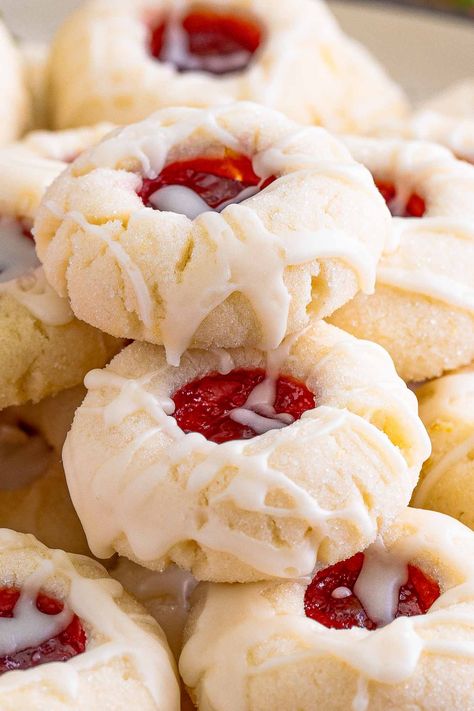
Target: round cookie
15,104
388,629
449,119
137,228
34,497
422,310
130,58
207,465
43,348
447,410
84,645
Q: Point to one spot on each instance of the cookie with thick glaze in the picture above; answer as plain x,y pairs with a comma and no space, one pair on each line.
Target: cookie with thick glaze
240,466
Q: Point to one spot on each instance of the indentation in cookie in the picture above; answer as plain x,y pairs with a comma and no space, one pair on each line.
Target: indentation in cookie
23,618
240,404
201,184
17,249
369,590
400,205
206,40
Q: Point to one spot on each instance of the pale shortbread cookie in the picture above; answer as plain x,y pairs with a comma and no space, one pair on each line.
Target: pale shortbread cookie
34,497
126,664
251,647
166,595
447,479
43,348
449,119
250,274
311,493
422,311
15,102
102,67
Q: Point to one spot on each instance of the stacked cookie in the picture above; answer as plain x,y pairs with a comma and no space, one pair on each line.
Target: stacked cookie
267,292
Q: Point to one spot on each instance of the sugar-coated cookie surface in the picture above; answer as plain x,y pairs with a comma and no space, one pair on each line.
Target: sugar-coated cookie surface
447,410
130,58
43,348
33,493
449,119
15,105
126,234
422,311
278,500
109,653
252,647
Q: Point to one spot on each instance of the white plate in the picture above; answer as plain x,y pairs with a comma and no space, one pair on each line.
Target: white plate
424,51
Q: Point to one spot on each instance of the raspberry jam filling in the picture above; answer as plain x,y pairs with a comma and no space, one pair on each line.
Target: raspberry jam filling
330,598
207,41
67,644
415,206
200,184
240,404
17,249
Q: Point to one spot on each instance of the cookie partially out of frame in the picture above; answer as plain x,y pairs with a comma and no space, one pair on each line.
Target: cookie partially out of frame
74,639
43,348
120,60
390,628
422,310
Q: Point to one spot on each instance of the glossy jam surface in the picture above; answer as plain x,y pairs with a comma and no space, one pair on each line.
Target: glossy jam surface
204,405
414,207
414,598
216,180
206,40
67,644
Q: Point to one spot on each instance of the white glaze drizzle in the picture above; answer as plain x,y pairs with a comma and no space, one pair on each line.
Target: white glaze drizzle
29,627
175,49
33,291
111,634
24,280
17,252
258,412
389,655
185,201
254,478
379,582
411,166
237,235
341,592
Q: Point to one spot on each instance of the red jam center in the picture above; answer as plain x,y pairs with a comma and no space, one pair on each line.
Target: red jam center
67,644
414,207
208,41
414,598
204,405
216,180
